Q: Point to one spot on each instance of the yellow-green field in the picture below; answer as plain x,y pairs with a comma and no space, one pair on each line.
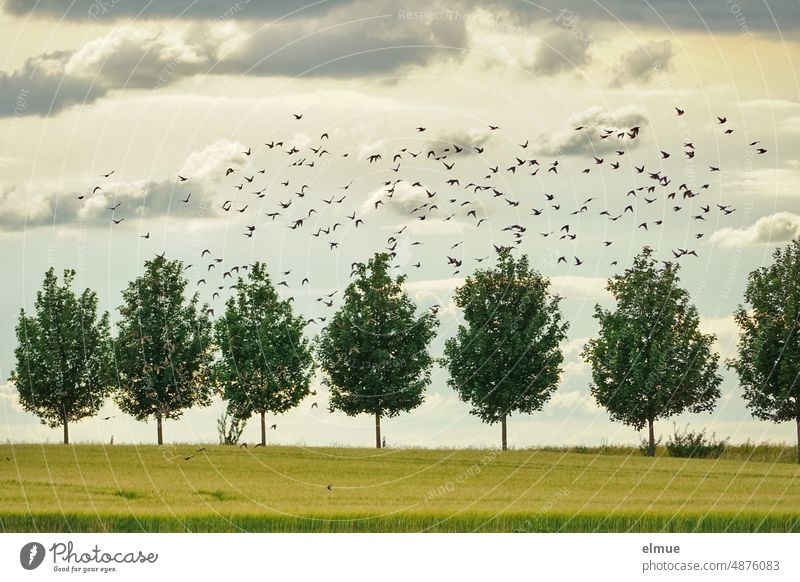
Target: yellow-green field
146,488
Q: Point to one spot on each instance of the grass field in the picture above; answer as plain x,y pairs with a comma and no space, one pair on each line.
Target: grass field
146,488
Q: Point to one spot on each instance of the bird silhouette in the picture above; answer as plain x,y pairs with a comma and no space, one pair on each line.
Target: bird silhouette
412,193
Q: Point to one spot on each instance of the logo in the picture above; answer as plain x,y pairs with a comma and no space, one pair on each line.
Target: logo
31,555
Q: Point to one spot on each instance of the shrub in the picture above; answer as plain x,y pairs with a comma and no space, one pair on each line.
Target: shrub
644,446
694,444
230,428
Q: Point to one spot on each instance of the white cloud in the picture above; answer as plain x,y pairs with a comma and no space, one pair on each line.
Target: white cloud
402,200
466,140
568,141
9,397
726,330
369,147
138,55
573,400
575,368
211,162
776,228
436,292
574,346
17,207
768,181
575,287
56,202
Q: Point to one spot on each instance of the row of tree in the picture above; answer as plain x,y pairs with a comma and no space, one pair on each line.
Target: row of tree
649,361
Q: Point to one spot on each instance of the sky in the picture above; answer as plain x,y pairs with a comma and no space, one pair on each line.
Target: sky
154,90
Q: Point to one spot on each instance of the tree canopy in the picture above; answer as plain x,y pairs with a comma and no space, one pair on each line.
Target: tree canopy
163,347
63,354
507,358
374,350
650,361
768,362
266,361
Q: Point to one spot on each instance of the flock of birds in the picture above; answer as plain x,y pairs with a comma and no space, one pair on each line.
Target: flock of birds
449,194
456,198
459,198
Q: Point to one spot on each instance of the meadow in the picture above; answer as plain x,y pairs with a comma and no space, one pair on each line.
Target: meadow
177,488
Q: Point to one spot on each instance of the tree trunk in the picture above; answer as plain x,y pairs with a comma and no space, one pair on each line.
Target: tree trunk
66,432
378,430
505,433
651,443
798,439
263,429
160,429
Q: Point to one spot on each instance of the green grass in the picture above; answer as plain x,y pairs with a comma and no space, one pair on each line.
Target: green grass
127,494
85,488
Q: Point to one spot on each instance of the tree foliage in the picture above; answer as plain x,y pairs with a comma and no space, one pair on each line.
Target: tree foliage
163,347
768,362
507,358
266,362
63,369
650,361
374,350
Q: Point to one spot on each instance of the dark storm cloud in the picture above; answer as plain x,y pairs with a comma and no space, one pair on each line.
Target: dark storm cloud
155,56
334,39
560,52
40,88
712,15
716,16
101,10
345,47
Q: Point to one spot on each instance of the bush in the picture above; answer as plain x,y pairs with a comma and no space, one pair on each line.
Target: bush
694,444
230,428
644,445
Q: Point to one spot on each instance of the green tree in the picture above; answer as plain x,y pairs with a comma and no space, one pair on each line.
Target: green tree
768,365
650,361
374,350
63,370
266,362
163,346
507,358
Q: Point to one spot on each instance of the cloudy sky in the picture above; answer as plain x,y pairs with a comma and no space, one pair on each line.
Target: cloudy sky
153,90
